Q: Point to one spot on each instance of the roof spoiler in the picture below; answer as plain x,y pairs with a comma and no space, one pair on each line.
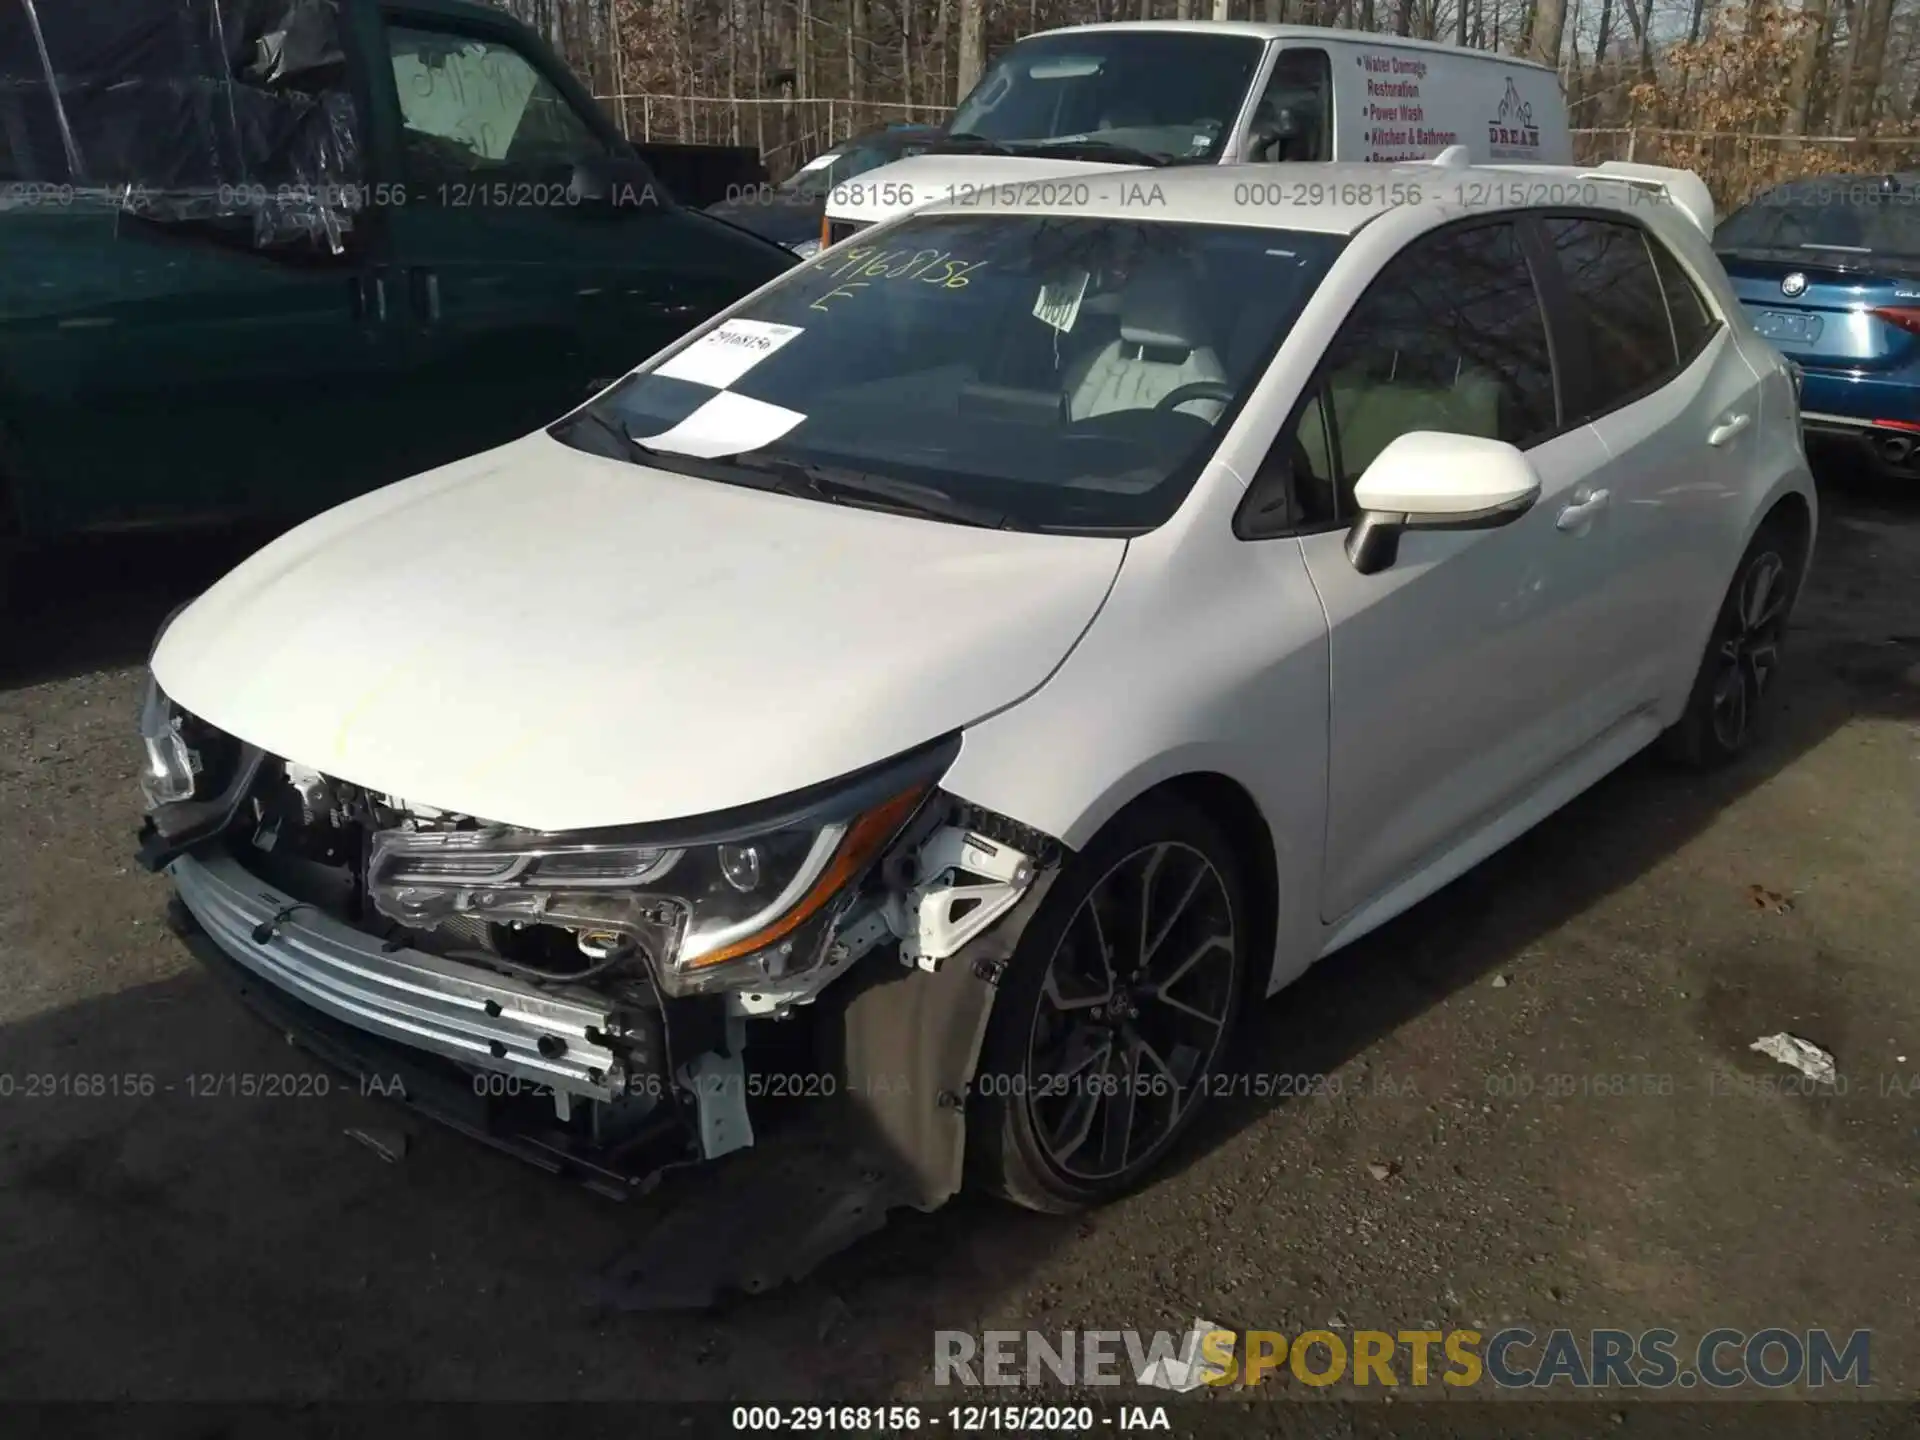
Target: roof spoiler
1681,187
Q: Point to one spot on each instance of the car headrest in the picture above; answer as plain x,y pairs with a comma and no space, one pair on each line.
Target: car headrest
1157,311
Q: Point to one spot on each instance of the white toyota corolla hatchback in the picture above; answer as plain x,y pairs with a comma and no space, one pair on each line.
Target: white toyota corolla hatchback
925,706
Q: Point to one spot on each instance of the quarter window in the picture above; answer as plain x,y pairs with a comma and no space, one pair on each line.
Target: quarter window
1693,322
1618,306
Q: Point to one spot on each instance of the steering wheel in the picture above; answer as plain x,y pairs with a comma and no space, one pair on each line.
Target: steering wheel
1196,390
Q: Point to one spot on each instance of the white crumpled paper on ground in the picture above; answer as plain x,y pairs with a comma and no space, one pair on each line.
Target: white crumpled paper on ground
1803,1055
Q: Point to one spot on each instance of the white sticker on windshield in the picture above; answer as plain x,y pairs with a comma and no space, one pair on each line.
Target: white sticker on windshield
728,351
819,162
728,424
1059,302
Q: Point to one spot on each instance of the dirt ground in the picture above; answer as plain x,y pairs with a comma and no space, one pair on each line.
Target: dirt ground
185,1246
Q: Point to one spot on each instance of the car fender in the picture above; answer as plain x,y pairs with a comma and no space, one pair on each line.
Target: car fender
1180,675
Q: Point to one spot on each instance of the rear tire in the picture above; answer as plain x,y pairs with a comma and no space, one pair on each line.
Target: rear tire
1724,708
1115,1015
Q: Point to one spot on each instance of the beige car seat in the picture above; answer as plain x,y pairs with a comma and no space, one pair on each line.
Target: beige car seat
1160,348
1370,411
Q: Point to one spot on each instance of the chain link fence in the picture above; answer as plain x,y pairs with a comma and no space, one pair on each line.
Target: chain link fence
1738,166
789,132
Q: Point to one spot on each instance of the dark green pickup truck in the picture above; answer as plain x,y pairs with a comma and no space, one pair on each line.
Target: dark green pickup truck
258,256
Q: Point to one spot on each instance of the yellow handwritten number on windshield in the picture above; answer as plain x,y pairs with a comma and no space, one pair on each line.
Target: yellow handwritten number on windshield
927,267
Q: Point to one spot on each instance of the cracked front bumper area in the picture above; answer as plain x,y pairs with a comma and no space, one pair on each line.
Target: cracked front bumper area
521,1125
415,999
625,1091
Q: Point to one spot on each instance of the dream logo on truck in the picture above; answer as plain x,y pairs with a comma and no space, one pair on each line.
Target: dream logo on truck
1511,134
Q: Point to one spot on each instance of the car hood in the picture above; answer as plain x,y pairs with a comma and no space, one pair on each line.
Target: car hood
884,192
542,637
781,219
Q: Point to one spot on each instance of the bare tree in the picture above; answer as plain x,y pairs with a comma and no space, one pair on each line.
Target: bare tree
1543,32
1806,64
973,47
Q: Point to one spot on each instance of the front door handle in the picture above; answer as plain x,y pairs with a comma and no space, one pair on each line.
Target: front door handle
1582,510
1728,428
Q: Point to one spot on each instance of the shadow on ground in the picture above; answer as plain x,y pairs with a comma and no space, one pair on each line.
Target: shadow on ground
96,603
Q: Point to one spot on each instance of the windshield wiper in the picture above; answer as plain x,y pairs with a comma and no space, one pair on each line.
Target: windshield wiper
1128,154
631,450
817,482
966,140
875,492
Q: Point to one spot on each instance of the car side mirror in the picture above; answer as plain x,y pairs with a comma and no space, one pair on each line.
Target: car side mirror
1431,480
616,186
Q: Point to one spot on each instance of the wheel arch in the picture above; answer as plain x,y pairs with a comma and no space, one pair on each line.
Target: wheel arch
1793,510
1230,805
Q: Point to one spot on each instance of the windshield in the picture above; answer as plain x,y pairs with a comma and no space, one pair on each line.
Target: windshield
1170,94
1861,215
1048,372
820,174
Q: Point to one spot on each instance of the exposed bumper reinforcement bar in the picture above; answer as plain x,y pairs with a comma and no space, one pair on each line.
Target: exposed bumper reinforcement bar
419,1000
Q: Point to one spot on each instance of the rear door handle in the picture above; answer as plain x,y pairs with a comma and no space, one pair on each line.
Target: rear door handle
369,298
1581,511
1728,428
426,295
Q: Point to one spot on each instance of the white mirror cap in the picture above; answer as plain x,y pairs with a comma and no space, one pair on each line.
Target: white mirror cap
1432,473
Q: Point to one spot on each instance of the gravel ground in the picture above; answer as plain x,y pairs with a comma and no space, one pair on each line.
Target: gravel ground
1477,1166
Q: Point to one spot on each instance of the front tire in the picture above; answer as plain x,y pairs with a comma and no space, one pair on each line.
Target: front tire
1743,654
1115,1015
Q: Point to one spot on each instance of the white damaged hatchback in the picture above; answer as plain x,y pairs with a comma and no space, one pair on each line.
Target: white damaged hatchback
893,734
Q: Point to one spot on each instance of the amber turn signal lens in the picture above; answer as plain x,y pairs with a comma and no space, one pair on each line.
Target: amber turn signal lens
864,839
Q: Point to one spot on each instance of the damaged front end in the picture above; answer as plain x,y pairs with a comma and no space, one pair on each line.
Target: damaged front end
807,980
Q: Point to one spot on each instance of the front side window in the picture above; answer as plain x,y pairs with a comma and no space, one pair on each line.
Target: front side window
1172,95
1055,372
475,109
1294,119
1618,305
1450,337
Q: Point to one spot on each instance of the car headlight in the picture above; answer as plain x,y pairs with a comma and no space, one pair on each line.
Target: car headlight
173,766
740,907
172,769
806,248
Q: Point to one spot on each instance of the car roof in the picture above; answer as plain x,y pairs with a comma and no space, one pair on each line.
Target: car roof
1312,33
1330,199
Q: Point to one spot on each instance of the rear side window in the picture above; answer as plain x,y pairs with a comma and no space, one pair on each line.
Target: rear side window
1692,321
1618,304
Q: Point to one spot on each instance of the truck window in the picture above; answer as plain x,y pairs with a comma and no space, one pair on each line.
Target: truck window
479,107
1175,94
1294,118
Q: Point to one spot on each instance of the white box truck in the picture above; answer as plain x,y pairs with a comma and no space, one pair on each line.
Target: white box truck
1145,94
